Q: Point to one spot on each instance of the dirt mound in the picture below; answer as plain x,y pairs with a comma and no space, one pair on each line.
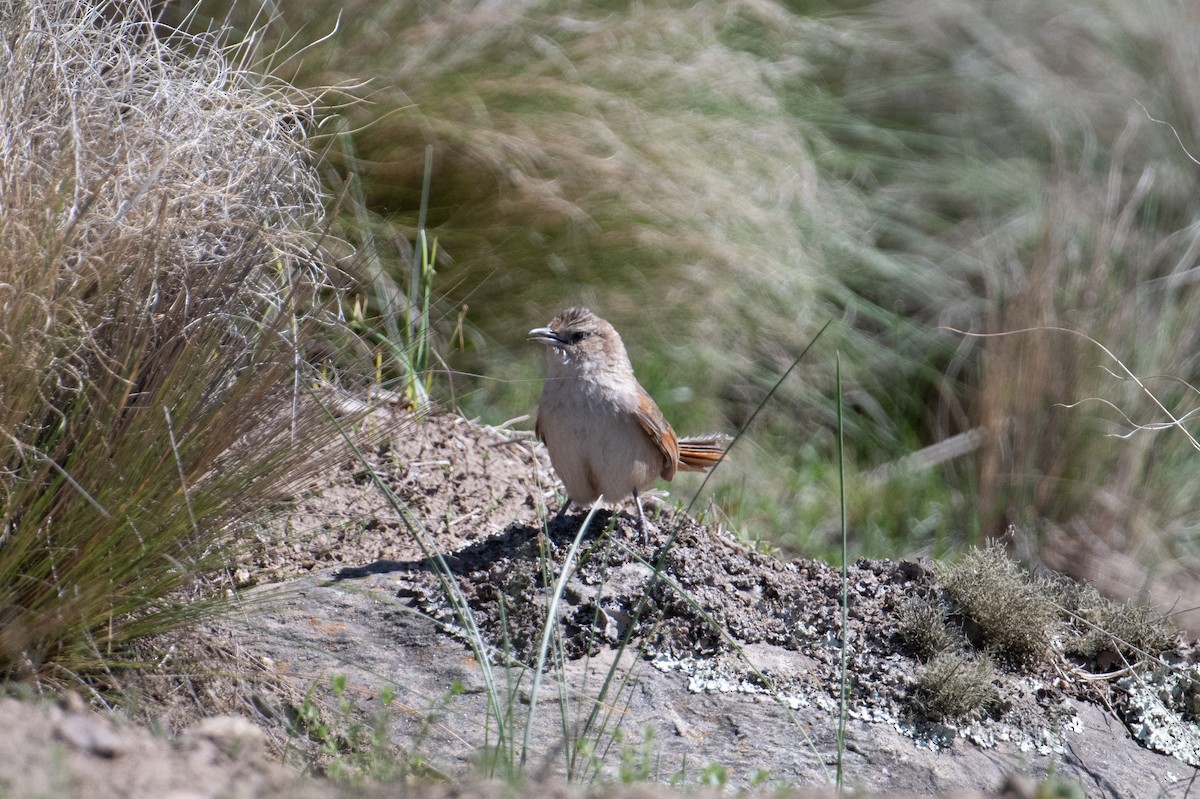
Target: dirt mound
719,632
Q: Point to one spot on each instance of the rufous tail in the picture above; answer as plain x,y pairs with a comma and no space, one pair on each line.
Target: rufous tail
701,453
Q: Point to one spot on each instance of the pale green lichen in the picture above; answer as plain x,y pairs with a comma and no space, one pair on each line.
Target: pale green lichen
1161,709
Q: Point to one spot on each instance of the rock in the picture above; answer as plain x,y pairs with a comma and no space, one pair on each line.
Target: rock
235,737
90,734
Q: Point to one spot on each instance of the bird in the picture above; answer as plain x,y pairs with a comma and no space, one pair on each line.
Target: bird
606,436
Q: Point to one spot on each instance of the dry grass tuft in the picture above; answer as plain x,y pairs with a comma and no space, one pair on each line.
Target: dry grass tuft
993,612
156,283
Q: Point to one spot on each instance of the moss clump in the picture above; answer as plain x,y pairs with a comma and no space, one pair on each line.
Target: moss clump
1108,631
991,608
1012,614
923,626
954,684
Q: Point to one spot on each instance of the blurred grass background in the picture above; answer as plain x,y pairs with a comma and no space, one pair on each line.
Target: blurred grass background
719,179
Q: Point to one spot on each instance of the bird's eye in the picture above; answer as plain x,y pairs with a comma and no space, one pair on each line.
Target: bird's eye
578,336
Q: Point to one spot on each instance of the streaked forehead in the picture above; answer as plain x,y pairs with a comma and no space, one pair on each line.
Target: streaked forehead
572,317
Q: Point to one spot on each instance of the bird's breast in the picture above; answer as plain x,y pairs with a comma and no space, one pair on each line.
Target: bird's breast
596,444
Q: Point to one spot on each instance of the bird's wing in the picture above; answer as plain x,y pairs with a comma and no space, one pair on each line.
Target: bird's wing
656,426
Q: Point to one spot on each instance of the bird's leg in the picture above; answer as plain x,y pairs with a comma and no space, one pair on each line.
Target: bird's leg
641,519
544,533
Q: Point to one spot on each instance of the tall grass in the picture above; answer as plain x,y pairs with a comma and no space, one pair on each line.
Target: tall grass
156,288
1038,163
720,179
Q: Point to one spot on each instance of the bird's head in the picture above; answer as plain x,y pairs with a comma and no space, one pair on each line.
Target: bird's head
578,340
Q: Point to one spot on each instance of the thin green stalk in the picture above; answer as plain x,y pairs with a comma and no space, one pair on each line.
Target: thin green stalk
843,704
573,745
387,293
179,467
550,624
415,278
420,291
742,431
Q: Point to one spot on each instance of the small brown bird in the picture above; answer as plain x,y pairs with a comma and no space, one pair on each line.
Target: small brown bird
605,435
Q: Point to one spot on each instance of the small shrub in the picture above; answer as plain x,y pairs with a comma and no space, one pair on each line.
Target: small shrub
714,775
638,759
351,749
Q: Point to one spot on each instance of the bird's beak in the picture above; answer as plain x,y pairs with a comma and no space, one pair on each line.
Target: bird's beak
544,335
